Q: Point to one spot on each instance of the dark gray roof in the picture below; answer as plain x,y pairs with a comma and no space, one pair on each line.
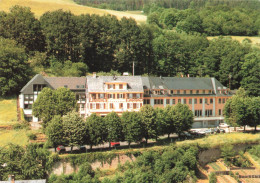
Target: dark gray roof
178,83
37,79
73,83
96,84
26,181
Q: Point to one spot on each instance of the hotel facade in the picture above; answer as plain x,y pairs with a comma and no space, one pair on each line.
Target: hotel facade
206,97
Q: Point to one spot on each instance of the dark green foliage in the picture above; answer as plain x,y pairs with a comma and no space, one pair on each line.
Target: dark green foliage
32,136
75,131
250,72
182,117
21,25
114,127
55,132
212,178
227,153
148,117
14,70
62,35
255,150
132,127
96,130
29,163
53,102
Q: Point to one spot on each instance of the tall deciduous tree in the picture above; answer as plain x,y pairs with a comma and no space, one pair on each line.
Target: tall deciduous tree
14,69
55,132
169,121
96,130
114,128
132,127
254,110
75,131
21,25
53,102
236,109
62,35
161,122
251,73
183,117
148,117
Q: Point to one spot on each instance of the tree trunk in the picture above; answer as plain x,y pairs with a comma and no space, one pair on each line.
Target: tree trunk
168,135
244,128
71,149
109,145
255,128
129,144
91,147
55,149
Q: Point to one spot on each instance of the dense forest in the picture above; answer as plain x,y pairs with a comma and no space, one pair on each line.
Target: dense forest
123,5
63,44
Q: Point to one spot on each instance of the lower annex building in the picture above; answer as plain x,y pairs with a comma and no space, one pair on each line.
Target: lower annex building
206,97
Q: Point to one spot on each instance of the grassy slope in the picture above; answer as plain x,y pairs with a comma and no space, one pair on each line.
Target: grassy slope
8,113
18,137
255,40
41,6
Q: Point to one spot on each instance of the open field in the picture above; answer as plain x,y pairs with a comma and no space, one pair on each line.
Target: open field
18,137
8,113
255,40
39,7
222,139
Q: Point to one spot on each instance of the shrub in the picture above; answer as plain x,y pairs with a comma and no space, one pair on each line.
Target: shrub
23,125
31,136
212,178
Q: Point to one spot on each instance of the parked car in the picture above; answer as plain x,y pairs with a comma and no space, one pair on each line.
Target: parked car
185,135
61,149
223,125
209,131
115,144
219,130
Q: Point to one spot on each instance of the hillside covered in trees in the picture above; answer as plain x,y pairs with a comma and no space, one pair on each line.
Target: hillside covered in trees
63,44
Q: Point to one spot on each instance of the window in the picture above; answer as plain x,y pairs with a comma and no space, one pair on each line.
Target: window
28,118
38,88
110,96
158,101
184,91
200,100
223,101
146,101
28,99
27,106
93,96
178,91
121,105
179,100
198,113
206,101
120,96
219,100
208,112
167,101
191,91
138,95
93,105
197,91
195,101
129,105
130,95
184,101
190,101
120,86
82,106
203,92
209,92
101,95
173,101
219,112
211,100
134,95
102,106
172,92
134,105
111,105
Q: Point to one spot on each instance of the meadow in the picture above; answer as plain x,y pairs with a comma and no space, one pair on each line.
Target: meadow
18,137
39,7
8,113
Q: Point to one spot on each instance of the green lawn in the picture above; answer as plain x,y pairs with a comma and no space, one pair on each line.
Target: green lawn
8,113
18,137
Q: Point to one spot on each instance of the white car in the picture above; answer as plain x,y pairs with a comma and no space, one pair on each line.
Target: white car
223,125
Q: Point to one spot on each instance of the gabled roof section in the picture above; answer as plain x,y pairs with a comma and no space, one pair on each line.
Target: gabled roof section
72,83
97,84
37,79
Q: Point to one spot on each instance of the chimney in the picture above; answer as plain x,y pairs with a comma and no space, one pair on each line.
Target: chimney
94,74
11,178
